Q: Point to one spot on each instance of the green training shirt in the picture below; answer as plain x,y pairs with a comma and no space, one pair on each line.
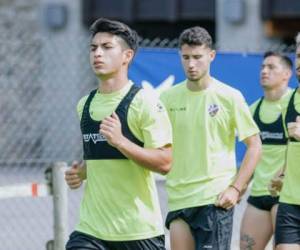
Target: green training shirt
120,201
204,127
273,156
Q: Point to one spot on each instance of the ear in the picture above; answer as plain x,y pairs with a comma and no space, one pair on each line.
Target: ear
212,55
128,55
288,74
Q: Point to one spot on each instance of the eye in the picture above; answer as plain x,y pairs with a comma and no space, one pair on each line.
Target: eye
107,46
197,57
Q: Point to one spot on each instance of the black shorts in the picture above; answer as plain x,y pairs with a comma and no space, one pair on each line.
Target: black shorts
211,226
264,202
287,228
82,241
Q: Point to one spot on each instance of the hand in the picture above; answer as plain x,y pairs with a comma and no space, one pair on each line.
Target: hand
294,129
228,198
111,128
75,175
276,183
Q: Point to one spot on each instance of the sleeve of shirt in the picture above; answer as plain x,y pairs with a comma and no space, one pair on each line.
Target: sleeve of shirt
243,121
154,122
80,106
253,107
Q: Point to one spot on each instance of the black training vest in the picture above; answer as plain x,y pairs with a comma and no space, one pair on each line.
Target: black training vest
291,113
270,133
95,146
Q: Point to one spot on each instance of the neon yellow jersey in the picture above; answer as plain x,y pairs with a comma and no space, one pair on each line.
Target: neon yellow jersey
291,184
204,126
273,156
120,201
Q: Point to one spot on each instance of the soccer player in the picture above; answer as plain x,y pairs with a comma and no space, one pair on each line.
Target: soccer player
203,185
126,136
267,112
287,228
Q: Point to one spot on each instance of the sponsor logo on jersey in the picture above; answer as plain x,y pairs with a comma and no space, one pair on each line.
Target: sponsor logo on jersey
96,137
269,135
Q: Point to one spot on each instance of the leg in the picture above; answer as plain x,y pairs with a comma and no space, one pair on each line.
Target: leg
181,236
80,241
273,215
256,229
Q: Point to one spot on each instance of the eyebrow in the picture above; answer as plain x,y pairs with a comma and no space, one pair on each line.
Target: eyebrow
103,43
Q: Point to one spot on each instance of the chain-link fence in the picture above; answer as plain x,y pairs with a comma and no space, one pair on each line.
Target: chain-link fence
41,82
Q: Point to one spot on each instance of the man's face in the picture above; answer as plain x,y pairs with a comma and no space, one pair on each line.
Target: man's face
297,63
273,73
107,54
196,60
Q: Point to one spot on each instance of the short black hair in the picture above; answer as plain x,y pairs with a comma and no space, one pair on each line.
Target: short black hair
283,58
195,36
117,28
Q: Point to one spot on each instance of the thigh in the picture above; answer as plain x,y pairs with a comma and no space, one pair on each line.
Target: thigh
287,228
81,241
256,228
181,236
155,243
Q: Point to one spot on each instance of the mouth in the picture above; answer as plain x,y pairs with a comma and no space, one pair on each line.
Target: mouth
98,64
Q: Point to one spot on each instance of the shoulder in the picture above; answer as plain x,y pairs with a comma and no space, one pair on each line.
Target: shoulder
254,104
82,101
146,96
172,92
228,93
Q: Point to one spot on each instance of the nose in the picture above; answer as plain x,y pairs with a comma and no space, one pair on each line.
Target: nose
191,64
98,52
264,71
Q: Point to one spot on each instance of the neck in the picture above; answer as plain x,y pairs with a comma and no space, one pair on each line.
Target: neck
274,94
110,84
200,84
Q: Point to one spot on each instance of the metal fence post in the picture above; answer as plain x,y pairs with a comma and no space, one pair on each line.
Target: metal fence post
60,205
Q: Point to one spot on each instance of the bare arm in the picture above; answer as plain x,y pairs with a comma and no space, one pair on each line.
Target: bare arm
232,194
249,163
157,160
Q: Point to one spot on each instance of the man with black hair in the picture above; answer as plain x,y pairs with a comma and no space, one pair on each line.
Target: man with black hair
267,112
126,135
203,185
287,228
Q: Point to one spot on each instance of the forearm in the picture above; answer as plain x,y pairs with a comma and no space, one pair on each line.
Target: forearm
251,158
157,160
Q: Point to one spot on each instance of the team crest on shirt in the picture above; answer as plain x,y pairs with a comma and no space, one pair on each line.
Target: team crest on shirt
213,109
159,107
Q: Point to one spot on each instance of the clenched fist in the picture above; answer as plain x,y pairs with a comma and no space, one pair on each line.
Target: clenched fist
75,175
